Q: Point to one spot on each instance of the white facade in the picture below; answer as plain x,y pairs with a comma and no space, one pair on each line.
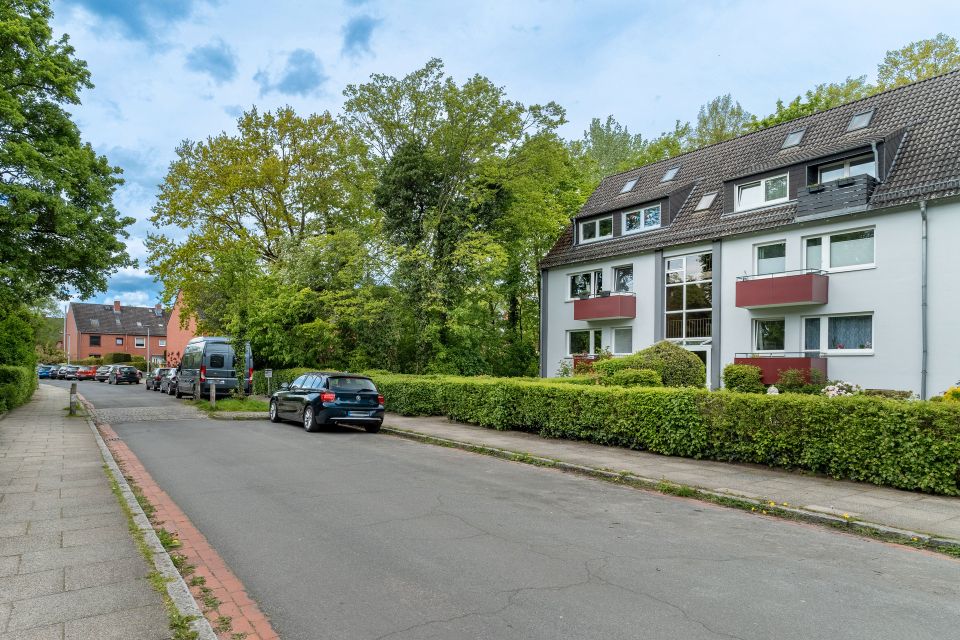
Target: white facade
879,303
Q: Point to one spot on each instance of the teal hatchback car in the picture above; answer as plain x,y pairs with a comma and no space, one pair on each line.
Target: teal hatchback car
321,398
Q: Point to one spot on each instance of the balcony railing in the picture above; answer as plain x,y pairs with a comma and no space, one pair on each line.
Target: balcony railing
771,364
804,286
614,306
837,196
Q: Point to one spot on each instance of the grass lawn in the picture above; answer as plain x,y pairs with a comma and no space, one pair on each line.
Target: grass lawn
233,404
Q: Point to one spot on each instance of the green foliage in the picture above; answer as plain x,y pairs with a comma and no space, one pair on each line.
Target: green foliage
633,378
800,381
17,337
908,445
17,385
823,96
279,377
116,358
720,119
744,378
952,394
677,366
919,60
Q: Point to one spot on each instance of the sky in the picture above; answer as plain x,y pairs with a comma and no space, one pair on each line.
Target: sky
166,71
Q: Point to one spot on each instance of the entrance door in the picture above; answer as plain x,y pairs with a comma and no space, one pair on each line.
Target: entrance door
703,352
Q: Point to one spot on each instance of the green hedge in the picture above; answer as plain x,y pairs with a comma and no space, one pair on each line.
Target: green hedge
908,445
745,378
677,366
17,385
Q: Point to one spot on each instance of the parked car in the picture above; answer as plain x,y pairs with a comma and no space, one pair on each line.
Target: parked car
61,372
86,373
70,372
168,383
318,398
154,378
209,361
45,371
123,373
103,373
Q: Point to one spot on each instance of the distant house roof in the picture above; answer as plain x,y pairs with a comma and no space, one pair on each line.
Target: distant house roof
101,318
918,123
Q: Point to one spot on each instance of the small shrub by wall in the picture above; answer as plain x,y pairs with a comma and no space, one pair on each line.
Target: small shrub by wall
744,378
677,366
633,378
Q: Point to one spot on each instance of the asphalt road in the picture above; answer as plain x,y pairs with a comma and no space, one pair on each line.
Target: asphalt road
347,535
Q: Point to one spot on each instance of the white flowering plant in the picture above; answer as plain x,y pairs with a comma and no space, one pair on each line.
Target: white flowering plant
841,388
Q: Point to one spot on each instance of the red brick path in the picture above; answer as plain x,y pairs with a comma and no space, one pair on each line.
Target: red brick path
245,615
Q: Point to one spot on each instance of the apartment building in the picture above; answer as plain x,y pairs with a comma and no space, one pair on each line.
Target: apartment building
93,330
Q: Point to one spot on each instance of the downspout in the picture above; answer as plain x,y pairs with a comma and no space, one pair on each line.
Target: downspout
923,299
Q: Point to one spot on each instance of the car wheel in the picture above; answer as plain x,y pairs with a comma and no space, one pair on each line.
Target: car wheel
309,420
274,414
373,427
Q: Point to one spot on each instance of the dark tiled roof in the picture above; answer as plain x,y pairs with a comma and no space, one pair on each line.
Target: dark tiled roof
926,165
100,318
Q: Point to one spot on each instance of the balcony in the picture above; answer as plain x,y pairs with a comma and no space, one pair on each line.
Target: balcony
845,195
771,364
617,306
806,286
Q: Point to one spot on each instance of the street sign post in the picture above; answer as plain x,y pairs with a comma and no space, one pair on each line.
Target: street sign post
268,374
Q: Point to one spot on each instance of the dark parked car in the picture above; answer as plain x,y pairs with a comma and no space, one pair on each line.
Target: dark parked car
168,383
86,373
316,399
103,373
154,378
212,360
124,373
45,371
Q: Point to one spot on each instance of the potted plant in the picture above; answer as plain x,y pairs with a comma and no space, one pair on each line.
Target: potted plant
603,293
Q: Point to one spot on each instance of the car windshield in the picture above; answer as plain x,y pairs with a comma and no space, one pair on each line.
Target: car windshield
127,369
351,384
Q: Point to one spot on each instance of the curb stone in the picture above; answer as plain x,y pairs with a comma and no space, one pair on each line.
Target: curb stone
241,415
176,588
883,531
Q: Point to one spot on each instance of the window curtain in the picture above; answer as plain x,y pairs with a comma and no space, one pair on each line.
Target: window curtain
852,332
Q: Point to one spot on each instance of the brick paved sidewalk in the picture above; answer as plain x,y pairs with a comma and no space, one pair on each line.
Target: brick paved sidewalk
69,568
918,512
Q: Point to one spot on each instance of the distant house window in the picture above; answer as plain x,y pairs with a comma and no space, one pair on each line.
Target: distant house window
769,334
94,341
140,342
597,229
583,342
763,192
119,341
793,139
861,165
860,120
771,258
585,284
623,279
628,185
641,220
670,174
840,251
706,201
623,340
163,343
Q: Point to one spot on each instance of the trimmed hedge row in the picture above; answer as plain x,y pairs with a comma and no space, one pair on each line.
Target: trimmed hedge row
17,385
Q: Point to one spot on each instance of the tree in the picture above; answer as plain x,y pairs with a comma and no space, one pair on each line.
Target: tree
823,96
918,60
606,148
719,120
60,228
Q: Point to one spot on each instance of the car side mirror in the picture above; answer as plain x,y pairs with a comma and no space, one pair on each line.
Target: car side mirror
284,386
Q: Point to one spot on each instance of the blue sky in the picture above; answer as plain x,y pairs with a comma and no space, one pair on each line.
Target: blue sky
170,70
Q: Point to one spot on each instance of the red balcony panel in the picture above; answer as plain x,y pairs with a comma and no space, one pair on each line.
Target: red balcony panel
609,308
785,290
771,366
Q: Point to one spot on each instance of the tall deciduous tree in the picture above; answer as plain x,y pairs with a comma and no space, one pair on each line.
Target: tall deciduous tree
60,229
919,60
720,119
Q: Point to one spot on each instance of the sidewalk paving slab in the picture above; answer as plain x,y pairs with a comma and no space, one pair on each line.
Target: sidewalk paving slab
912,511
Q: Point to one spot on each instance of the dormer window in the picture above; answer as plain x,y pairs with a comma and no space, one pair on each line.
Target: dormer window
861,165
763,192
706,201
596,229
641,219
860,120
628,185
670,174
793,139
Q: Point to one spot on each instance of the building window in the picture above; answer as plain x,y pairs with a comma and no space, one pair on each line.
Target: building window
140,342
688,296
623,279
860,120
793,139
119,341
597,229
628,185
840,334
94,355
586,284
670,174
162,343
861,165
585,342
94,341
764,192
769,334
771,258
641,220
623,340
706,201
840,251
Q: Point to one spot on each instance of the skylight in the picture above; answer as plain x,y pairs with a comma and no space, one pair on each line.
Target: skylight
628,185
670,174
706,201
95,322
860,120
793,139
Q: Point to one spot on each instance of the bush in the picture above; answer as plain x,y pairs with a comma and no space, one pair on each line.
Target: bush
634,378
17,385
952,394
116,358
800,381
279,376
677,366
908,445
894,394
744,378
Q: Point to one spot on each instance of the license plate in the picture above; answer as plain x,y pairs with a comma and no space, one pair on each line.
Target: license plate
358,414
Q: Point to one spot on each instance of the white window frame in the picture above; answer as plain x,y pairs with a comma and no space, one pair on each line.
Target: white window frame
613,279
763,187
162,343
756,334
846,167
596,341
593,281
139,342
613,341
825,333
643,219
825,251
756,256
595,221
